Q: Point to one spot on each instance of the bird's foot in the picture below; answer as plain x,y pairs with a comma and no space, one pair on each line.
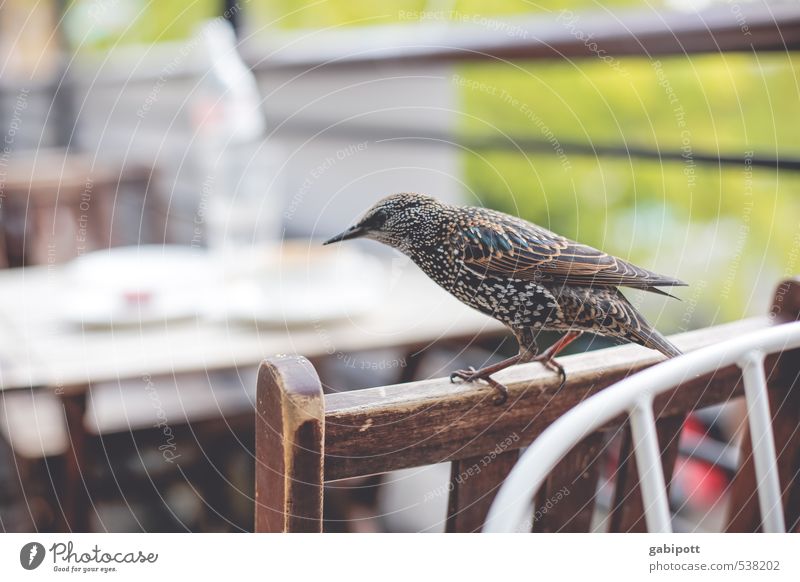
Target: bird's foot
550,363
468,375
472,375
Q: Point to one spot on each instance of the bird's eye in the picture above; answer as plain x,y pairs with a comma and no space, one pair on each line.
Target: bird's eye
377,220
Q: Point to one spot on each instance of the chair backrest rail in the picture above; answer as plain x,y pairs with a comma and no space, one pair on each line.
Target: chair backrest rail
395,427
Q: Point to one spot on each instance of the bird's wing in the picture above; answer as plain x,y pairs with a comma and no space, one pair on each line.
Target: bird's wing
497,244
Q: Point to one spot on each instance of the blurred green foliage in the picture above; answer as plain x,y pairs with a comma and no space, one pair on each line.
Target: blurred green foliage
730,231
101,24
332,13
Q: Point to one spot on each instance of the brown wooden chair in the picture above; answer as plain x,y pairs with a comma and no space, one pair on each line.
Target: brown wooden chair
305,438
60,205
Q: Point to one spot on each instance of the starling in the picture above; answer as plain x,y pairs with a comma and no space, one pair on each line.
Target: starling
523,275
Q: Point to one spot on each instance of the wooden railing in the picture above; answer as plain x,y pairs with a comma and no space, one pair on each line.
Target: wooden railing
305,438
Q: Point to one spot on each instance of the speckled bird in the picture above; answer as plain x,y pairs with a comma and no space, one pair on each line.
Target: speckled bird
523,275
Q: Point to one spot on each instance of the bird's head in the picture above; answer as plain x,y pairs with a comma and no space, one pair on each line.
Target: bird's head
397,220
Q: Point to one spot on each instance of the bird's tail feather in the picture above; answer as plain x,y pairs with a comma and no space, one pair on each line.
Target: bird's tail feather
641,332
661,292
650,338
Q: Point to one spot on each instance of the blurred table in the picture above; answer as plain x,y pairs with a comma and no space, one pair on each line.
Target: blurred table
39,349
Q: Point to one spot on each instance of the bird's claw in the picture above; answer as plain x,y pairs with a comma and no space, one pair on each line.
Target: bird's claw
501,392
467,375
551,364
472,375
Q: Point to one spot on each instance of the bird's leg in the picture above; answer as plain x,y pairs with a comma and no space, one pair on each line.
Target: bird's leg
471,375
527,351
546,358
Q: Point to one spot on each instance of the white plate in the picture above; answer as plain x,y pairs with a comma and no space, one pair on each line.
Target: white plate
126,286
305,287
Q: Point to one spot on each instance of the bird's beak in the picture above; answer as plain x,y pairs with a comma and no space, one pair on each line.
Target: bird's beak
352,232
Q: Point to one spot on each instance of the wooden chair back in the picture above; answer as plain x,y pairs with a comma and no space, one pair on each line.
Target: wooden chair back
59,205
305,438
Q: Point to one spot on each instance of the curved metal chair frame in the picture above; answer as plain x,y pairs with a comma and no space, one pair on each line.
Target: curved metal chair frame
634,395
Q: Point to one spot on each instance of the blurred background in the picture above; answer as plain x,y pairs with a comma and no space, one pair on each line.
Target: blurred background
168,169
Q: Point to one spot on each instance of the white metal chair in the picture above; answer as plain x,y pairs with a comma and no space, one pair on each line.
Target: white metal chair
634,395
